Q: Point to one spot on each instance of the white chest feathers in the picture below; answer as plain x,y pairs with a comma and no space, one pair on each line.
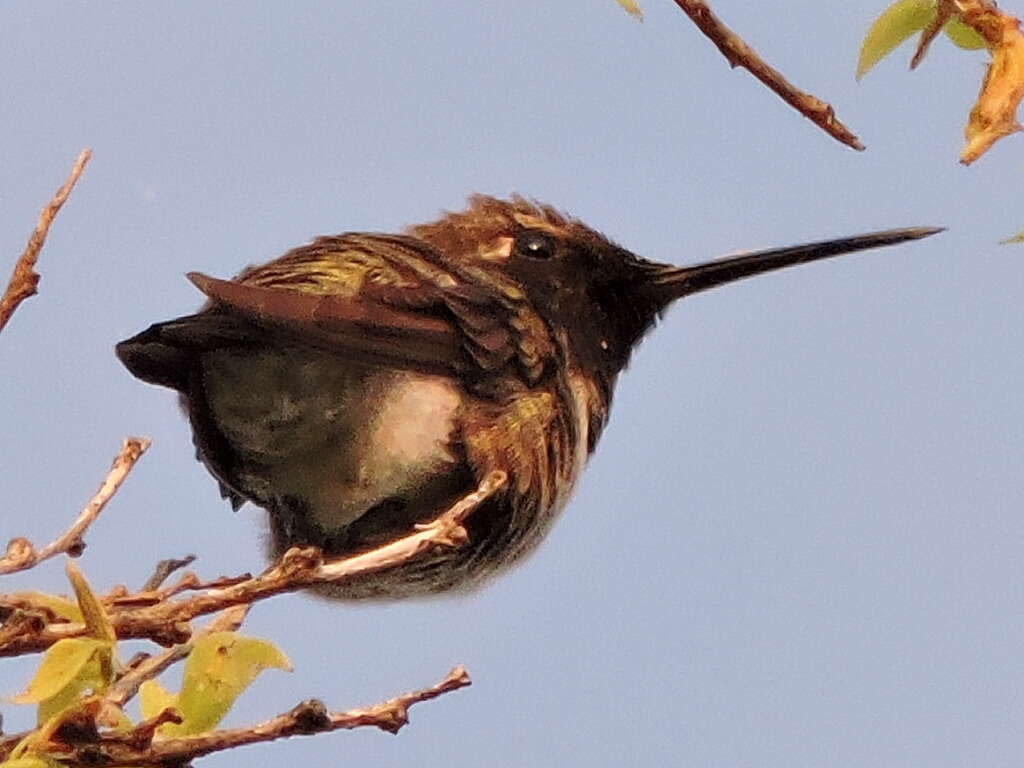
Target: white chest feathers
404,443
340,439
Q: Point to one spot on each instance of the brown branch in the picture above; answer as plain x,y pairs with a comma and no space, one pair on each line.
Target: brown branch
25,279
146,668
739,54
164,569
944,11
120,597
142,746
136,748
167,621
21,554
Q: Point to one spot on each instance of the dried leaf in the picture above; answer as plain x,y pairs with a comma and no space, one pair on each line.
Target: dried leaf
632,7
995,113
62,664
221,666
895,25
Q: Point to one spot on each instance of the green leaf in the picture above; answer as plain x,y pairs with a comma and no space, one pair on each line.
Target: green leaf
62,664
963,36
96,619
61,606
154,699
897,22
221,666
90,678
632,7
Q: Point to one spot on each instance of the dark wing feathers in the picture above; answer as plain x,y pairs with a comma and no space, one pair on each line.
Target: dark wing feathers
356,326
380,299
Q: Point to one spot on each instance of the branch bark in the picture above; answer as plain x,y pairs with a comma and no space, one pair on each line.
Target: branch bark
25,279
167,621
739,54
141,746
21,553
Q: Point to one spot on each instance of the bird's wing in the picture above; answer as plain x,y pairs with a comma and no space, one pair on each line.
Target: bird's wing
384,300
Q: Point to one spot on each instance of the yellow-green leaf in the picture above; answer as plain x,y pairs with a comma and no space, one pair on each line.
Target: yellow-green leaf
61,606
89,678
962,35
1018,238
632,8
96,619
897,22
154,699
62,664
220,667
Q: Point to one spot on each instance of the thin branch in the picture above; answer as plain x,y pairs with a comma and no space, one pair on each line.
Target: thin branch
138,747
944,11
167,621
21,554
25,279
740,54
304,568
164,569
127,686
189,582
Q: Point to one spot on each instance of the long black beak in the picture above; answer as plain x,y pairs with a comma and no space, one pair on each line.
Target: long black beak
677,282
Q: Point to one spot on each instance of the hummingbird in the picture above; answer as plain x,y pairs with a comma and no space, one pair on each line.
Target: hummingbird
360,385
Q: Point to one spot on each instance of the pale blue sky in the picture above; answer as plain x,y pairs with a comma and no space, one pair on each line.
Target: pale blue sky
799,543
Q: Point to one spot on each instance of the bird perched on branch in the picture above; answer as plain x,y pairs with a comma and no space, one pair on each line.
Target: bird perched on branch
362,384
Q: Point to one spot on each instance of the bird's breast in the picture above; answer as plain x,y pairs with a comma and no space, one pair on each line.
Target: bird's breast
410,428
341,439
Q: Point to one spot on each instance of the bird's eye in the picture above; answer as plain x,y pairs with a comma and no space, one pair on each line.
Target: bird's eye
536,244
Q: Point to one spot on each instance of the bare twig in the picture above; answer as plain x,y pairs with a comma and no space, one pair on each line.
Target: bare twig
943,13
25,279
21,554
20,640
164,569
166,621
740,54
138,747
189,582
